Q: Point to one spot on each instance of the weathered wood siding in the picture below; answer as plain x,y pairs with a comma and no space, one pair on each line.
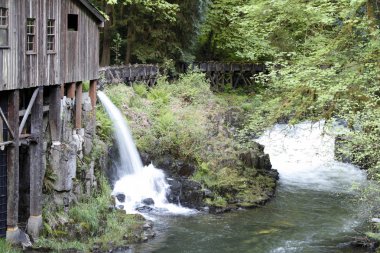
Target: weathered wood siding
76,52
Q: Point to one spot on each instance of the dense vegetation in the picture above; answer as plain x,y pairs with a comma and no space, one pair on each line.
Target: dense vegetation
323,55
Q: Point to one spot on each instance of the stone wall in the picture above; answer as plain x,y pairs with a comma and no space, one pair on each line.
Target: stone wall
70,163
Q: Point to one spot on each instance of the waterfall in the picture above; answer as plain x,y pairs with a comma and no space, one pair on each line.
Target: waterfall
135,181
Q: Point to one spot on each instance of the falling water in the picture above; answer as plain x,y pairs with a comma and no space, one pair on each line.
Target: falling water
135,181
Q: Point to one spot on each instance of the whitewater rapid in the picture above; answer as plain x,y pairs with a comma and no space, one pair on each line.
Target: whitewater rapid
304,156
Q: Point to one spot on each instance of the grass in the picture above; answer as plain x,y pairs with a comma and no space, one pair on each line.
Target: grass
90,223
7,248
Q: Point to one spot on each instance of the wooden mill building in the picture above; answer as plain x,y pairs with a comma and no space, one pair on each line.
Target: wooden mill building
48,48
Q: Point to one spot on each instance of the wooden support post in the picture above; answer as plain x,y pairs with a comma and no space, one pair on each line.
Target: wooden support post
93,85
55,113
71,90
1,130
13,162
62,90
78,106
36,163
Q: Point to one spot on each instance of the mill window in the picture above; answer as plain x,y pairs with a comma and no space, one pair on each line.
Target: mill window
3,27
30,35
72,22
50,40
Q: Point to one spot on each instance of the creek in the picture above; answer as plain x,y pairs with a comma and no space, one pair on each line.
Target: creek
316,208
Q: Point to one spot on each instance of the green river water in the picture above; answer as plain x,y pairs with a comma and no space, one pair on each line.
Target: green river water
316,209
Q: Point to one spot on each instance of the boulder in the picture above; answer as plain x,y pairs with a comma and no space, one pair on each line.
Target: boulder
120,197
186,192
144,209
148,201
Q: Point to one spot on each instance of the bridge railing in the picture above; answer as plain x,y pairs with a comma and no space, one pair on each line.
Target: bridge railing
220,74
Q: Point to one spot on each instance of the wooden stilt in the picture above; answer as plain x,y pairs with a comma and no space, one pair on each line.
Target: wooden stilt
36,163
71,90
62,90
13,161
93,85
1,130
55,113
78,106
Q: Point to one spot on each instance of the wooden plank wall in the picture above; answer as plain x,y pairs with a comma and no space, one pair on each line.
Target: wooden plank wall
76,55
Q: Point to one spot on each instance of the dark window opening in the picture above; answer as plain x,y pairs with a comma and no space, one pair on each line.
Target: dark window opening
3,27
50,40
72,22
30,34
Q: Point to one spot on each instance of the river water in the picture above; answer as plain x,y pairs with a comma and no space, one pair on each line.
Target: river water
315,210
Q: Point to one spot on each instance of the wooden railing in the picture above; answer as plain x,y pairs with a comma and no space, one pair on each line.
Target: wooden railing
220,74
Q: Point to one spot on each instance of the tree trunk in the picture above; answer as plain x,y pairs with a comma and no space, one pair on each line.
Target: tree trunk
130,40
106,46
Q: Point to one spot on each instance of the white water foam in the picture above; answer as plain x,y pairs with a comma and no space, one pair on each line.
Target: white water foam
303,154
137,182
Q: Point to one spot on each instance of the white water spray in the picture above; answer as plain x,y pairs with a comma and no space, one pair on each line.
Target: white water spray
304,156
136,182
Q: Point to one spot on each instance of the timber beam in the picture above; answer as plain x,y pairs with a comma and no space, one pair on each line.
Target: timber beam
36,164
78,105
7,123
28,109
92,93
13,166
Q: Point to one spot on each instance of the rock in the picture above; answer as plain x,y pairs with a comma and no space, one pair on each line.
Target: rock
121,207
186,192
149,234
219,210
148,225
120,197
192,194
264,162
144,209
208,193
172,166
375,220
148,201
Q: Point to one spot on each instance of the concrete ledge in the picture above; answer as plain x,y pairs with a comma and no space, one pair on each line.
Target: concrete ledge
13,235
34,226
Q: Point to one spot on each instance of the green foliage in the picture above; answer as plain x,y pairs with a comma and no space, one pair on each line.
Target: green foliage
88,223
141,90
103,124
151,31
7,248
117,41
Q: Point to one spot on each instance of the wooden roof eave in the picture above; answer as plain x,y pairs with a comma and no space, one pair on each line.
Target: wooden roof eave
99,16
